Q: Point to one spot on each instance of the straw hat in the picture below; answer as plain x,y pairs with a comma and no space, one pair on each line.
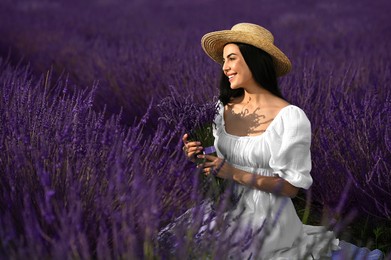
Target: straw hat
213,44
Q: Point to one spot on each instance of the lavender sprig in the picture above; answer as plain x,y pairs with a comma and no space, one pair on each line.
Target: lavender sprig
196,120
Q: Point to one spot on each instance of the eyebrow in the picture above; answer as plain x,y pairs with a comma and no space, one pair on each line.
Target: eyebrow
229,55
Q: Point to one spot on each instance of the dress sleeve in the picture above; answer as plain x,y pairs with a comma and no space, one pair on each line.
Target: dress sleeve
218,120
290,147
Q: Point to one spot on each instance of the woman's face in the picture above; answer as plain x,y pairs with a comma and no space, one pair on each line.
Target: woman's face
235,67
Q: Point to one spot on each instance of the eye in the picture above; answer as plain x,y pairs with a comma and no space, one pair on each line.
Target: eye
231,58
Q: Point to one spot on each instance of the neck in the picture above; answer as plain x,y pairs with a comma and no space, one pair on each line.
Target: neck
260,96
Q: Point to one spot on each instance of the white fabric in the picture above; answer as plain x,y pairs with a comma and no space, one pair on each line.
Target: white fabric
283,150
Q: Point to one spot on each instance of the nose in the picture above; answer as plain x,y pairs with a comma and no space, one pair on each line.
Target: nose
225,67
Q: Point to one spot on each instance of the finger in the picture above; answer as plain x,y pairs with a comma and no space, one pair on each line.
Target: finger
194,149
193,144
207,157
207,165
210,157
184,138
209,170
189,146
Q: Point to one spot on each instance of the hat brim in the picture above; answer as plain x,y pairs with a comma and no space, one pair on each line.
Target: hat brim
213,44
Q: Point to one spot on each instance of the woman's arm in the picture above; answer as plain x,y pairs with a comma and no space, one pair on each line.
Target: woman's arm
276,185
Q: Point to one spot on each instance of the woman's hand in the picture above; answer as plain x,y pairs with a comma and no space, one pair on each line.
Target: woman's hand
216,166
191,149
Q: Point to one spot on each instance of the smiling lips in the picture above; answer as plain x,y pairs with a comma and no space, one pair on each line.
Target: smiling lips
230,76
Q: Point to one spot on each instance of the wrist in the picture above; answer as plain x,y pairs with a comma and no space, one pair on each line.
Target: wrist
237,176
225,172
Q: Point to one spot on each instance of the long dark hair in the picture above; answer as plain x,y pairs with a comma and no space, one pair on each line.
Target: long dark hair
262,69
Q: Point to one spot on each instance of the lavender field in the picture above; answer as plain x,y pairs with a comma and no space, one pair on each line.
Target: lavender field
87,168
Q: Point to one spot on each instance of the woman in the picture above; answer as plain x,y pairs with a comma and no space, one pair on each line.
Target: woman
262,144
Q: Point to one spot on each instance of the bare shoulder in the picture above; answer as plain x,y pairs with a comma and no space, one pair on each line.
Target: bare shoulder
275,105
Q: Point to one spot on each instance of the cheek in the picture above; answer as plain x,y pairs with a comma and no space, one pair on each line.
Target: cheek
247,75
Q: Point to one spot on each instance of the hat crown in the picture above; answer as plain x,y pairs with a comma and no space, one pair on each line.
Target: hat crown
254,29
213,44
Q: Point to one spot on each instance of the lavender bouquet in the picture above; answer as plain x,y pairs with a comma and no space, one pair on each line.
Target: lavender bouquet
196,119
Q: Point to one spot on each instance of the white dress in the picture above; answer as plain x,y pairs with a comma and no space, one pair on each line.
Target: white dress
282,150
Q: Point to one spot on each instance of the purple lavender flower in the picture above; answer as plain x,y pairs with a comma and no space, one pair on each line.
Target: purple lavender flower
73,158
197,120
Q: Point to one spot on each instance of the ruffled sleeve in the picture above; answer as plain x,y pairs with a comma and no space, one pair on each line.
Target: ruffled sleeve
218,121
217,125
290,147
